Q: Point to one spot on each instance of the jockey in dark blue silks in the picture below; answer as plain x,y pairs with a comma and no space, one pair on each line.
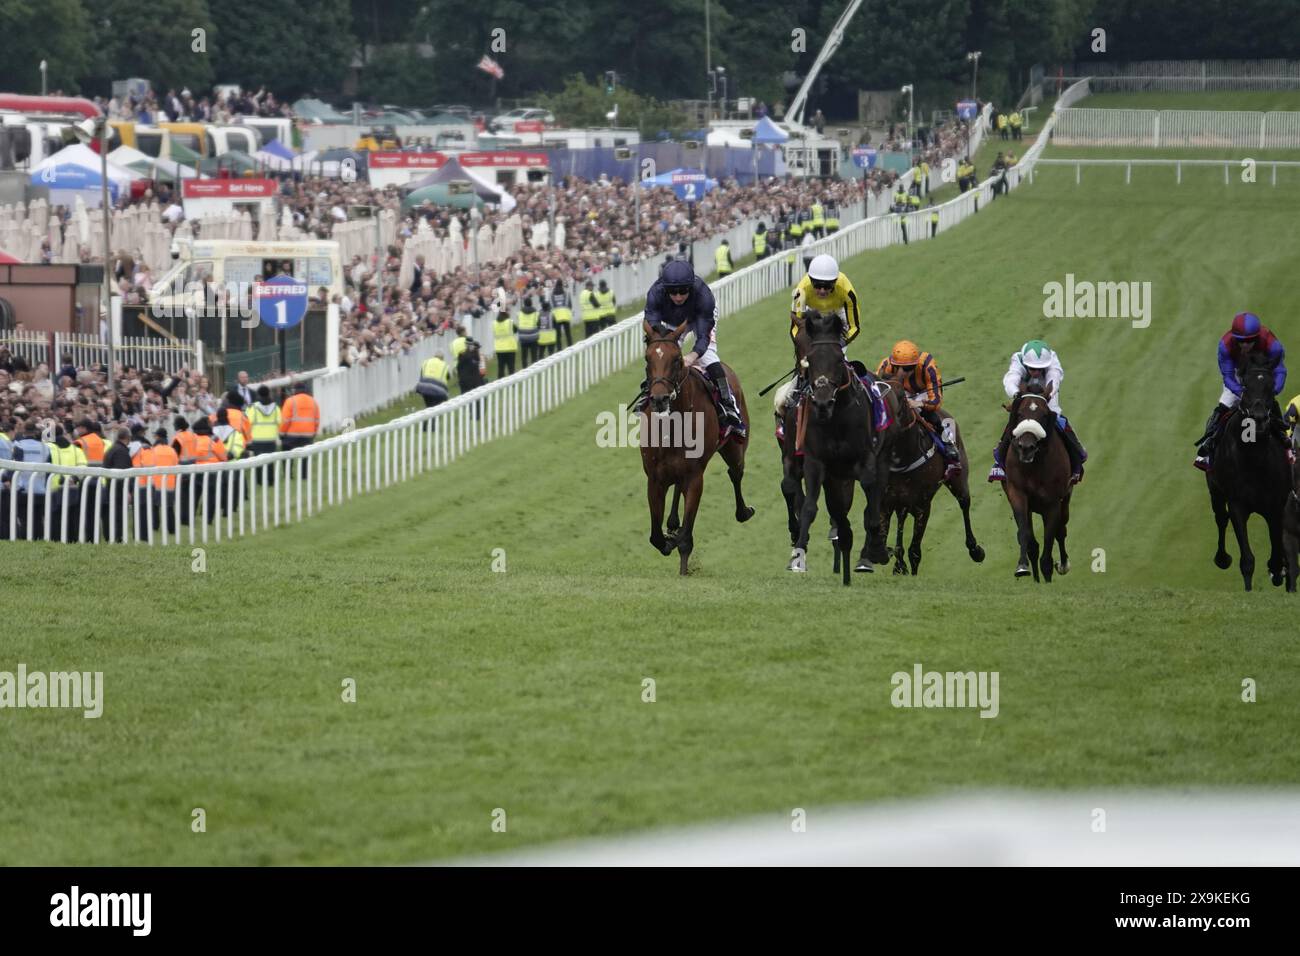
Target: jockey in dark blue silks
1246,336
678,296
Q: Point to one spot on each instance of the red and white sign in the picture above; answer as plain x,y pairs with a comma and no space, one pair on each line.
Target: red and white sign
214,197
240,189
529,126
396,169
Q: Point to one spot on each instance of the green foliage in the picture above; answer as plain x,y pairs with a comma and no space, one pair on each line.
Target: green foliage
292,46
582,103
397,75
51,30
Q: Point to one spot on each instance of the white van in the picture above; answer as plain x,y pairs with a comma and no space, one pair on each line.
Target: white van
234,265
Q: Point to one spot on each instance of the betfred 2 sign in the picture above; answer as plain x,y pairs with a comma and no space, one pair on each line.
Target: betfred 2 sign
227,188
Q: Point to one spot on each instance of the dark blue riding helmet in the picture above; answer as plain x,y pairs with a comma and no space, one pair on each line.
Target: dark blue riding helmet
678,275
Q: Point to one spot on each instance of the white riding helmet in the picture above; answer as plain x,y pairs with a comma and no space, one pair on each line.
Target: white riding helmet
824,268
1036,354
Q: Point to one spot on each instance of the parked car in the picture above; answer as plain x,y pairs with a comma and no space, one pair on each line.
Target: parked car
506,121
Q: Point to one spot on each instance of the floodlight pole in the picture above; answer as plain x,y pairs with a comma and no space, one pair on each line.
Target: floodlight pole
101,127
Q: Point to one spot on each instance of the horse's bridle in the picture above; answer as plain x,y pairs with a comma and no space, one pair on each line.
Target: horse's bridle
848,379
675,384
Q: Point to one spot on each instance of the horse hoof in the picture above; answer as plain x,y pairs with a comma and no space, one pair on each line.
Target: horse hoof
798,561
743,516
1063,568
865,567
1023,571
1223,561
977,554
1277,580
900,569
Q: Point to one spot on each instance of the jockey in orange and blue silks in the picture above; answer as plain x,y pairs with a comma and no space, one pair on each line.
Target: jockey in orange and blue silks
920,379
1246,337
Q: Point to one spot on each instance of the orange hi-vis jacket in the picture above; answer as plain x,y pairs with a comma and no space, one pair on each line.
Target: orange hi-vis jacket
300,415
93,446
164,456
208,449
922,379
188,450
237,419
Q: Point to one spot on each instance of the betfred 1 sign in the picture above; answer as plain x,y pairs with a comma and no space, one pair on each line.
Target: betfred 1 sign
241,189
281,302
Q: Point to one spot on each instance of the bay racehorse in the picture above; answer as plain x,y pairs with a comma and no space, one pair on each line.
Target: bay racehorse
1249,473
916,470
679,435
1038,480
837,434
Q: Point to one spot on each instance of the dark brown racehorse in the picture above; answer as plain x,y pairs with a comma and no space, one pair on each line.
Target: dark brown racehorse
916,471
1291,519
1038,480
1249,473
681,410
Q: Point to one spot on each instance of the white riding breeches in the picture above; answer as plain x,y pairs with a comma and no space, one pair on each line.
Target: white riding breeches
1228,399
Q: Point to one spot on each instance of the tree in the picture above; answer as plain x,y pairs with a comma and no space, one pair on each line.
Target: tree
156,41
291,47
582,103
50,30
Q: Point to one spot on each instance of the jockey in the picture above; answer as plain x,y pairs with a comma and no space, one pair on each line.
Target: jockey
1035,356
1247,336
921,380
824,289
678,296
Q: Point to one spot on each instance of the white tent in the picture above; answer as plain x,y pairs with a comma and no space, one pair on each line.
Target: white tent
80,155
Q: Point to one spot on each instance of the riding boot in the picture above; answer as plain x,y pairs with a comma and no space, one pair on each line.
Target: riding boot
997,473
947,447
732,420
1078,454
1206,442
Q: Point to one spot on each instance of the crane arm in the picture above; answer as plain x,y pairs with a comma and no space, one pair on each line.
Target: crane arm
794,115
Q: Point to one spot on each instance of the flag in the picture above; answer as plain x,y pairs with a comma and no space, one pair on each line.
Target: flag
489,65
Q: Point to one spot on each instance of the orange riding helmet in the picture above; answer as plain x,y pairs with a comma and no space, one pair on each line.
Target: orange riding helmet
905,353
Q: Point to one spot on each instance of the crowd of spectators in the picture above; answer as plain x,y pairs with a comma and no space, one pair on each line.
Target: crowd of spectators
600,233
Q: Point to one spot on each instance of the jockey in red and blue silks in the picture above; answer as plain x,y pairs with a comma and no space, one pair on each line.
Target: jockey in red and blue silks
1246,337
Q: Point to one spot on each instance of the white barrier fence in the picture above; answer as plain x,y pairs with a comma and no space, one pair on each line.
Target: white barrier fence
1194,128
1184,76
87,350
1230,166
233,499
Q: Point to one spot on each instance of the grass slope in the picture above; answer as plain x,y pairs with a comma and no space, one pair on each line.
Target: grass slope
522,690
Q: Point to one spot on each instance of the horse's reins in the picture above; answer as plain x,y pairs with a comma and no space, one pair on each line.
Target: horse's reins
676,384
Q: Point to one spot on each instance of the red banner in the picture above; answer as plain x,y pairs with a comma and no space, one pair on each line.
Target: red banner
227,188
506,158
529,126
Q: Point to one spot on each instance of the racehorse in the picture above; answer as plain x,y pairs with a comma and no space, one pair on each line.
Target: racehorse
916,472
1038,480
1291,519
678,396
838,434
1249,473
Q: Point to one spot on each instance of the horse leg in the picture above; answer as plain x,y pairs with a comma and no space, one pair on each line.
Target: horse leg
1291,545
1051,526
900,513
1024,530
1276,558
838,498
1063,567
674,524
812,471
1237,513
734,455
1222,559
792,491
686,535
960,488
655,492
875,485
920,518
